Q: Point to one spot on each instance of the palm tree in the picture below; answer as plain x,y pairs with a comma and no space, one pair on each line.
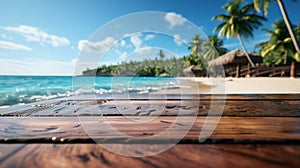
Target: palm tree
213,48
258,4
161,54
239,22
261,4
218,44
197,47
280,43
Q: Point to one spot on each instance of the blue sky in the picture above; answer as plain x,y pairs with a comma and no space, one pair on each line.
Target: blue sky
46,37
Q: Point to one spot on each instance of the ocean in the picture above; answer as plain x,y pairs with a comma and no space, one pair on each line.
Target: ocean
27,89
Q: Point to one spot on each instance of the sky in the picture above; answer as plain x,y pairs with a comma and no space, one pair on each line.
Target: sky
64,37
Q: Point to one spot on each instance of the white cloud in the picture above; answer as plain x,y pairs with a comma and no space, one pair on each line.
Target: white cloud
144,50
123,43
136,41
178,40
149,37
123,55
13,46
99,46
174,19
34,34
129,46
6,37
74,61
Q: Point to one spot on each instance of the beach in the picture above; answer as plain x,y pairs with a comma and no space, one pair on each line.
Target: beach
261,85
22,90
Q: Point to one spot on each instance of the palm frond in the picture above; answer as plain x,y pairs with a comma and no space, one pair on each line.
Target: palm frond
221,17
257,5
266,7
247,8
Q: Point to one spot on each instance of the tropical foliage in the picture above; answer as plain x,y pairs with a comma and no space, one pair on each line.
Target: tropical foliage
204,50
196,47
264,4
240,21
261,4
156,67
279,48
214,48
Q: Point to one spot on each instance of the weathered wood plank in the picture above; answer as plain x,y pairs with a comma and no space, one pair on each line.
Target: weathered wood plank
236,105
264,108
73,129
259,130
181,155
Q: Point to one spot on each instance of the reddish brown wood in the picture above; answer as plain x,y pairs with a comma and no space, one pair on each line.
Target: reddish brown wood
237,71
249,69
265,105
73,129
257,70
181,155
265,134
293,69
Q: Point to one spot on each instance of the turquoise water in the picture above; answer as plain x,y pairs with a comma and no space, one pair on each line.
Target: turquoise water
27,89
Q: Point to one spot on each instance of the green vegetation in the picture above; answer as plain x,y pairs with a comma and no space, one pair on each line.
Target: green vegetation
218,45
240,20
196,46
279,48
157,67
201,52
264,4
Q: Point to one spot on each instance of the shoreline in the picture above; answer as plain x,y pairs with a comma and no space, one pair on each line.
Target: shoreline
229,85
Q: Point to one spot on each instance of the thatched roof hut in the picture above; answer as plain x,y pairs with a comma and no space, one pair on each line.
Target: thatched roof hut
189,69
234,58
193,71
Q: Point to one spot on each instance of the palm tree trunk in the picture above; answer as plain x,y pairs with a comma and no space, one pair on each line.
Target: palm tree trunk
244,48
288,24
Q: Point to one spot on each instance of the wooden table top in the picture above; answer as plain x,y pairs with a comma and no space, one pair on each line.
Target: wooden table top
253,130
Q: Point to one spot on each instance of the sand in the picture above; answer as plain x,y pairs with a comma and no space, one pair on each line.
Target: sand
236,86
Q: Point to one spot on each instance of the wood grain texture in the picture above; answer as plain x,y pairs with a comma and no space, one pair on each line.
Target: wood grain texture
250,108
181,155
254,131
73,129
